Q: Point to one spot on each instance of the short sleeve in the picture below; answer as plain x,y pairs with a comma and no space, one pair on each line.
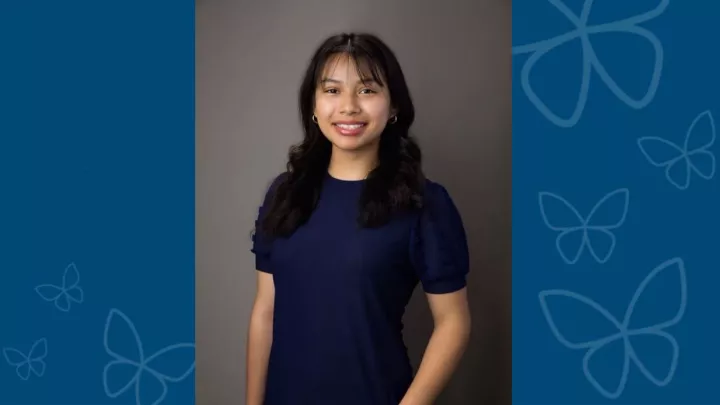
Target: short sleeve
439,250
261,243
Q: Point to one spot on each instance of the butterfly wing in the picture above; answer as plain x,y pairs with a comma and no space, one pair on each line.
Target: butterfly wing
37,367
678,173
600,243
701,133
557,213
658,338
526,75
593,316
150,388
611,354
173,363
14,357
655,68
23,371
610,212
63,302
38,351
665,280
629,26
698,140
658,151
71,277
119,376
570,245
48,292
121,339
702,163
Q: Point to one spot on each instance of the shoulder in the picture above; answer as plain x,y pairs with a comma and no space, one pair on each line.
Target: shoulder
274,183
434,188
438,206
278,179
436,196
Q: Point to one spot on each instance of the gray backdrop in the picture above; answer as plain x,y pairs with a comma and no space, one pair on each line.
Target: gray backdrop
250,58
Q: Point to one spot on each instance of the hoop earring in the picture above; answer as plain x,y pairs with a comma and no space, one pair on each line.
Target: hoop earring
393,119
314,119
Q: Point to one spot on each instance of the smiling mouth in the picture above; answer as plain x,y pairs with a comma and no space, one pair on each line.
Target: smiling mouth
350,126
350,129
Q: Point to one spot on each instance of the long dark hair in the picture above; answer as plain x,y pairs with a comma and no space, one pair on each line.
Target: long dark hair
395,185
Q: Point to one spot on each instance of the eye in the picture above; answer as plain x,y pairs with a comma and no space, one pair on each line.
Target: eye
369,91
331,91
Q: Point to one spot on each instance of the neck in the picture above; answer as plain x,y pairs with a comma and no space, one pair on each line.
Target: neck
352,165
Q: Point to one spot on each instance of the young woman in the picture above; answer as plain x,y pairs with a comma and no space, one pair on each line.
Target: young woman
342,240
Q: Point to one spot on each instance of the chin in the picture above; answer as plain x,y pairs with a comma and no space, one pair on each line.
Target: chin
348,144
351,144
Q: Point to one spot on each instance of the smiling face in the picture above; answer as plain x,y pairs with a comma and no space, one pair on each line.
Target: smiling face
352,111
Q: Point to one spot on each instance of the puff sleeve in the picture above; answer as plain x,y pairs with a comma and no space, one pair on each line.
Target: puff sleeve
261,243
439,251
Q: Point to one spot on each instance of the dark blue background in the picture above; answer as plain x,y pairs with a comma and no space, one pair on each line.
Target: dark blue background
96,169
583,163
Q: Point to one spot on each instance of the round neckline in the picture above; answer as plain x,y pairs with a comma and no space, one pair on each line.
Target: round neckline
343,181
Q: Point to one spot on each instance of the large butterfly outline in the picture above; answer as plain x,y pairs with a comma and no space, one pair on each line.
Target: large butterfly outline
33,362
680,162
578,233
624,332
590,62
130,368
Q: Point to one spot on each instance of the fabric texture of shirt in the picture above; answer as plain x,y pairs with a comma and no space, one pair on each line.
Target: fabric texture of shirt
341,292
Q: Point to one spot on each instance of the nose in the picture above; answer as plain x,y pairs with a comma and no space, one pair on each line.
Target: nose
349,104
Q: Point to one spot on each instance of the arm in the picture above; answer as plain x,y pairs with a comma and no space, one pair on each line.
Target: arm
449,339
259,339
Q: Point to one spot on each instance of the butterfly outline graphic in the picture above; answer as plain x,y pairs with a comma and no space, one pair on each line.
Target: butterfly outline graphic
682,155
584,228
142,364
590,60
63,296
624,331
33,362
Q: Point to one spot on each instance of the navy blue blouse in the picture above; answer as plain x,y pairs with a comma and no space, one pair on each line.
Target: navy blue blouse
341,292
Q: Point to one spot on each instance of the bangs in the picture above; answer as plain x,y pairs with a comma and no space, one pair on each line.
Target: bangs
368,68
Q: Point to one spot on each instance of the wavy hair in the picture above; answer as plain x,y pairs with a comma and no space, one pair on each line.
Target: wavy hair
396,183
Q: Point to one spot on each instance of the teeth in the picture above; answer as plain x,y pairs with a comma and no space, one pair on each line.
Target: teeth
344,126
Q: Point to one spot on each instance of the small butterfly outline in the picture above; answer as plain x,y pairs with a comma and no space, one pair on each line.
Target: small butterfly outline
63,296
576,237
138,364
24,364
624,330
680,162
590,60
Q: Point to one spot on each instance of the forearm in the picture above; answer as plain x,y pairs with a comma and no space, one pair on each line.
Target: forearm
258,354
442,355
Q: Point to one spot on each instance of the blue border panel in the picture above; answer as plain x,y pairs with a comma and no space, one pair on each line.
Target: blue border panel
97,221
616,201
